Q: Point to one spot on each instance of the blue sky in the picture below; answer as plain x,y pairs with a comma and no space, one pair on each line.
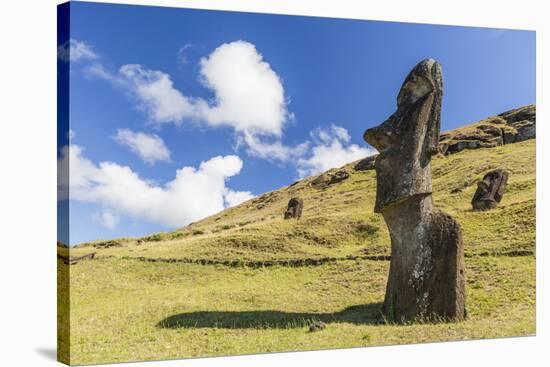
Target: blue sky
260,100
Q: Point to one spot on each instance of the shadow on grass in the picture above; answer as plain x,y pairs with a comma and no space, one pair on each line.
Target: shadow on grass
368,314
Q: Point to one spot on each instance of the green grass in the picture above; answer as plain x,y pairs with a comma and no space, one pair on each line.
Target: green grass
130,310
339,221
125,309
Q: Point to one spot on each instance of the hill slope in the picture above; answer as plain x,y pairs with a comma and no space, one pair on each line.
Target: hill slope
338,219
154,298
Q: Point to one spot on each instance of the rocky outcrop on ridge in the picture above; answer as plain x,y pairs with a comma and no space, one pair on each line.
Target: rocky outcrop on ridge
508,127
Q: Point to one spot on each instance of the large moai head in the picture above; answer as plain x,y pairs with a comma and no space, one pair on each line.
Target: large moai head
408,138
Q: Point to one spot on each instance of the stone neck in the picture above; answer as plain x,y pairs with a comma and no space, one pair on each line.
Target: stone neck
406,215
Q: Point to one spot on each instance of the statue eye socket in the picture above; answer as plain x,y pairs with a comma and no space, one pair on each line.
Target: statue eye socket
420,88
415,88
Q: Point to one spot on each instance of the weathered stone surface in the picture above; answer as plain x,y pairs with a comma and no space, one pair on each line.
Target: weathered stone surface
329,178
523,120
264,200
365,164
508,127
320,182
525,130
294,208
525,113
107,244
426,278
338,176
471,137
317,326
490,190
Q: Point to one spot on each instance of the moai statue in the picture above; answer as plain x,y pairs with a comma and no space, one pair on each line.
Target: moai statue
490,190
294,209
426,278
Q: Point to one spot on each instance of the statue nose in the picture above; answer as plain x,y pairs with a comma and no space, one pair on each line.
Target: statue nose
370,134
379,137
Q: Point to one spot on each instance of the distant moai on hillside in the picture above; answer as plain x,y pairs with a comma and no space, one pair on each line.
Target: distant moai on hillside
294,208
490,190
426,278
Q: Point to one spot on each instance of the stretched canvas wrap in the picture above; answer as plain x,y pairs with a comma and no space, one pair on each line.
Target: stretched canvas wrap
235,183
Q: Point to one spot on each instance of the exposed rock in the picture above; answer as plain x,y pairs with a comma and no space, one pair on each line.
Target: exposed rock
365,164
524,130
490,190
459,146
426,278
294,208
525,113
320,182
107,244
329,178
264,200
338,176
471,137
523,120
508,127
317,326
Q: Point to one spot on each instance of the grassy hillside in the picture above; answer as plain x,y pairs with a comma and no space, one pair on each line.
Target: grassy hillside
338,221
246,281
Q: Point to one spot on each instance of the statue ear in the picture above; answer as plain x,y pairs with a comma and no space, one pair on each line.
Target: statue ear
433,128
431,138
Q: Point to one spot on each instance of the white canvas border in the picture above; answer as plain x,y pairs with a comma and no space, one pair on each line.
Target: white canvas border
28,189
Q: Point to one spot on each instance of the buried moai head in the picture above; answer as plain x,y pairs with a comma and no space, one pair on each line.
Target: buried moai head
408,138
294,208
490,190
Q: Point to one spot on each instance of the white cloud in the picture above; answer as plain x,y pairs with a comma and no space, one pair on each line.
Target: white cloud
149,147
107,218
182,54
331,149
193,194
269,148
71,134
233,198
248,97
74,50
156,94
97,70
